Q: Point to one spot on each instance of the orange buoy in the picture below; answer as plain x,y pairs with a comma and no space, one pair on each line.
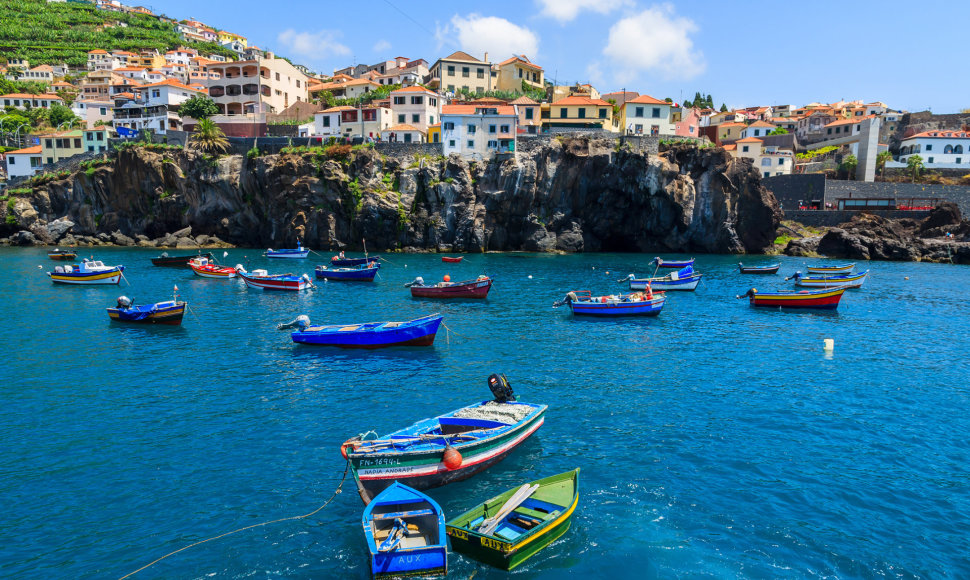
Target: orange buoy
447,278
452,458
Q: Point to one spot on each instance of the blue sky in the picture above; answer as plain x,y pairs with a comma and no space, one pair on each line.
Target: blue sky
910,55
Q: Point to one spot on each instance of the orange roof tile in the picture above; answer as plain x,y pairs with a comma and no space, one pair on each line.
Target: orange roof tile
580,100
463,56
338,109
761,124
749,140
942,135
524,61
523,100
404,127
45,96
732,124
414,89
470,109
97,51
647,100
28,151
730,147
167,83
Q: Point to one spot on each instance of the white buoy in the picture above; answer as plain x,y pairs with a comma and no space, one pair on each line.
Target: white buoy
829,344
530,276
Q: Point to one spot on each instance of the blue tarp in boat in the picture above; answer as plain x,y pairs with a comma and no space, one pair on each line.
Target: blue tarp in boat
685,272
136,313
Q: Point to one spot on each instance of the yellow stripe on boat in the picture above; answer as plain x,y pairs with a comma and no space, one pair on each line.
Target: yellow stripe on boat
94,277
552,525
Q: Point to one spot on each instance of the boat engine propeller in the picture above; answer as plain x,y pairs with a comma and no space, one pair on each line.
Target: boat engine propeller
302,322
794,276
567,299
419,281
500,387
748,294
124,302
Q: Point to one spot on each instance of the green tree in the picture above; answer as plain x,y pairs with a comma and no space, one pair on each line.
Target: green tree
849,164
723,108
779,131
915,166
198,107
881,159
60,114
709,102
209,138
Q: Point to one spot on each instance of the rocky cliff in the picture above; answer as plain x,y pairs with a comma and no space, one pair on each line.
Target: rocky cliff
569,194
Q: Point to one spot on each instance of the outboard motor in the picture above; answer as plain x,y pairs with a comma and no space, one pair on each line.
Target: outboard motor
569,298
308,280
419,281
239,268
124,302
500,387
794,276
302,322
750,293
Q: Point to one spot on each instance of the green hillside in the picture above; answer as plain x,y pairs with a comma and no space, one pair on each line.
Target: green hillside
52,33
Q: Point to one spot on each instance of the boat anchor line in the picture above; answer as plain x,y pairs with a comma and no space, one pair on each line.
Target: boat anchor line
333,496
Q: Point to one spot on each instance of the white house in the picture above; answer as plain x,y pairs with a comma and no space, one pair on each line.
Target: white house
351,122
22,101
939,149
24,162
416,106
646,115
93,110
478,131
769,161
758,129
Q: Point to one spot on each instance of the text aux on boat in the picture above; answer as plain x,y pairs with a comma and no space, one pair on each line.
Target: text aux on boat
405,534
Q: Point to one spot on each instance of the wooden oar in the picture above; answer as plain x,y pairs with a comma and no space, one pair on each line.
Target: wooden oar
488,526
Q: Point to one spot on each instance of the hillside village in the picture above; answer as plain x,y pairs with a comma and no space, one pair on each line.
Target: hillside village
469,105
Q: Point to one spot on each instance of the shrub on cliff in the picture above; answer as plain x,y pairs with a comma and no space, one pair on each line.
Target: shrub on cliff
209,138
339,152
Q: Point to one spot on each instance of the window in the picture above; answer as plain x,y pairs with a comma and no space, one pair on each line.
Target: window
433,102
415,118
491,128
493,144
528,113
91,148
929,147
465,71
767,174
781,161
765,162
104,110
449,126
48,143
326,121
930,159
520,73
417,100
582,112
407,137
471,130
13,160
744,149
451,70
655,113
479,90
401,118
959,160
481,73
505,129
451,143
277,76
602,113
830,130
638,112
451,88
400,100
298,83
471,143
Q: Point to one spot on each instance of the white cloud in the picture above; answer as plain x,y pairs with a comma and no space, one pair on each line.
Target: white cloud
476,34
566,10
654,41
313,46
382,45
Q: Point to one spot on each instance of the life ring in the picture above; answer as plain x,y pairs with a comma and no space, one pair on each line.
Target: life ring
352,443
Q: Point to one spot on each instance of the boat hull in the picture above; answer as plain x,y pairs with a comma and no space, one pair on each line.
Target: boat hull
350,275
651,307
817,300
112,276
418,332
289,283
773,269
473,289
851,281
688,283
296,254
62,256
675,264
427,555
178,261
425,469
213,272
508,554
171,315
451,260
840,269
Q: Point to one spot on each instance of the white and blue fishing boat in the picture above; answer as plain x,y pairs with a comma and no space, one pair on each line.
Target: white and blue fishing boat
266,281
361,273
684,279
582,302
417,332
298,252
768,269
444,449
341,261
829,280
836,269
87,272
405,534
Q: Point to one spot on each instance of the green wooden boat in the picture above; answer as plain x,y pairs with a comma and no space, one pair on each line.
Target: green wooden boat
508,529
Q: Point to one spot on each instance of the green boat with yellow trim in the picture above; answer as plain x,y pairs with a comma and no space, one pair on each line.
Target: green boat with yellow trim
510,528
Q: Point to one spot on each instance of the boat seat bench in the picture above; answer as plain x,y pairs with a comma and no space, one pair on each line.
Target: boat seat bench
410,514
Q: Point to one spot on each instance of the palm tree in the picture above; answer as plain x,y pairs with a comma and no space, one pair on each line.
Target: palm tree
915,165
209,138
881,160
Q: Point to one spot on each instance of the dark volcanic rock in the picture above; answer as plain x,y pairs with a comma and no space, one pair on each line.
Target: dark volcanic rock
566,194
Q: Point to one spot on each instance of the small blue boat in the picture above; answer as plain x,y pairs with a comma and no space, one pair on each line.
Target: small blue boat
362,273
299,252
661,263
340,261
632,304
417,332
405,533
684,279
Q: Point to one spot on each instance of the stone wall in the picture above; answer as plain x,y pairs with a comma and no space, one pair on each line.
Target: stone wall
399,148
789,189
832,218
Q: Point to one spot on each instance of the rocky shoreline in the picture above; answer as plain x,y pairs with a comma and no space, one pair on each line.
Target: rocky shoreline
569,194
943,236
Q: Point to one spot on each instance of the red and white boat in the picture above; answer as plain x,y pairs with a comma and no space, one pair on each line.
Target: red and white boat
204,267
266,281
477,288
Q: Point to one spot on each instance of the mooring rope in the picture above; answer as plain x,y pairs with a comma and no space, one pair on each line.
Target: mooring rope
336,492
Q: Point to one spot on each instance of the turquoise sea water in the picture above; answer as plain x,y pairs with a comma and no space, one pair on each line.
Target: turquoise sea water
715,441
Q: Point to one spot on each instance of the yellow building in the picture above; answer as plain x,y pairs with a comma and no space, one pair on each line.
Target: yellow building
225,36
512,74
57,146
434,133
147,60
461,70
578,112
